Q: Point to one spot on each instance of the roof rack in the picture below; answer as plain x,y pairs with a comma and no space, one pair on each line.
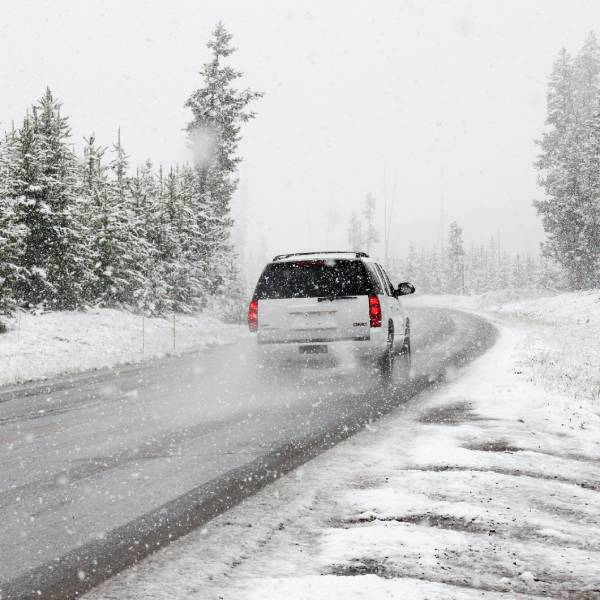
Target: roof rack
356,254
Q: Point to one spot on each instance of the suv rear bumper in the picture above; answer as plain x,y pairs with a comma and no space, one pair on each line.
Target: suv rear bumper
300,341
371,347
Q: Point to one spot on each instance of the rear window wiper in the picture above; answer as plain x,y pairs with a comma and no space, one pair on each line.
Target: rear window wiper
334,297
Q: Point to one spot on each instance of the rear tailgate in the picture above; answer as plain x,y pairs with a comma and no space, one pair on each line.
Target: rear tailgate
313,319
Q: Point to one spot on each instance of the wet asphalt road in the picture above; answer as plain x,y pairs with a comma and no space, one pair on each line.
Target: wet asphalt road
100,470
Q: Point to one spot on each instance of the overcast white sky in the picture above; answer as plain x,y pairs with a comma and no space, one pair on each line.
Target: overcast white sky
439,100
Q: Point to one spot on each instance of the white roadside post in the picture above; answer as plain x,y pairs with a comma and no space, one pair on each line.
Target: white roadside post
174,332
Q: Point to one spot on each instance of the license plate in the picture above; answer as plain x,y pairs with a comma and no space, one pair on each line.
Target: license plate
313,349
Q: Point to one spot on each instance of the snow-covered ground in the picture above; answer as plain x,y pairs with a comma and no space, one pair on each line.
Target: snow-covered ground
487,487
563,347
41,346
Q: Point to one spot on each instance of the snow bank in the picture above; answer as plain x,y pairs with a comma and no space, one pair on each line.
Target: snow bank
41,346
563,351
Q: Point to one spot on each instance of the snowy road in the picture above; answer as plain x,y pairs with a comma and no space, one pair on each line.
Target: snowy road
98,472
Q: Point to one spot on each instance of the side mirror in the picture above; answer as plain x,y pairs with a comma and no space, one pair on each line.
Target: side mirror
404,289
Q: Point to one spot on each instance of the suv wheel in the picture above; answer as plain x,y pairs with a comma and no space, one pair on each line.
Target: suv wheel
405,353
387,360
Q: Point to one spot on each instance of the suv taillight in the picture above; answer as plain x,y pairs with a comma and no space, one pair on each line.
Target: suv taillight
253,315
374,310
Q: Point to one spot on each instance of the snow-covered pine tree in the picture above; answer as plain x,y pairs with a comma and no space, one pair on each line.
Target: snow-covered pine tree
455,260
11,234
483,264
411,266
190,285
355,234
569,154
587,244
550,276
166,241
68,266
422,275
475,270
93,191
175,214
434,266
492,266
586,75
586,79
128,247
148,224
530,272
504,271
517,279
218,110
46,181
371,233
33,288
112,242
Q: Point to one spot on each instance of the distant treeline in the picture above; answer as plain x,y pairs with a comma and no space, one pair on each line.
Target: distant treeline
569,166
453,269
84,231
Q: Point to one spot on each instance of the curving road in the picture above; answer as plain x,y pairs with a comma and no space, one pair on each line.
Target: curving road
99,470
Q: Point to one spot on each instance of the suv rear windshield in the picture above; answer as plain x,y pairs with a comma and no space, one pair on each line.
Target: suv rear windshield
313,278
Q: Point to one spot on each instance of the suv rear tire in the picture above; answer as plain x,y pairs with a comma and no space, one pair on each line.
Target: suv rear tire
405,353
388,358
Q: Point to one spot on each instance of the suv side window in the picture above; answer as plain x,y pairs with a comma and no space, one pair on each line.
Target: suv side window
375,278
386,282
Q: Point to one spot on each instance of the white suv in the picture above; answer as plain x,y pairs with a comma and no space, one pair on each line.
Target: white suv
329,303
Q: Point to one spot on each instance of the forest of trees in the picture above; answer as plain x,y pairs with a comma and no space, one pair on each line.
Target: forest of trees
87,231
569,166
454,269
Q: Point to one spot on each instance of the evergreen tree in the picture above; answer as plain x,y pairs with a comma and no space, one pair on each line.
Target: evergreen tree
355,234
455,257
436,272
504,272
371,233
586,247
190,284
476,273
67,267
411,267
218,110
568,163
93,191
422,275
129,246
115,248
11,234
148,227
45,188
518,273
178,273
530,272
491,266
586,79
